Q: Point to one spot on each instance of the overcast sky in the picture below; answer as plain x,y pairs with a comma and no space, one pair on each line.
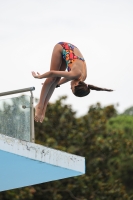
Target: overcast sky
101,29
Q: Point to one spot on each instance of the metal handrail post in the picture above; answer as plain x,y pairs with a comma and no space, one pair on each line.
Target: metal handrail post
32,132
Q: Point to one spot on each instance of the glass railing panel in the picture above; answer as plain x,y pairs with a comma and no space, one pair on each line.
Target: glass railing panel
15,117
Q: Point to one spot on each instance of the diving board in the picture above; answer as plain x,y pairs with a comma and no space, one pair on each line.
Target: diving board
24,163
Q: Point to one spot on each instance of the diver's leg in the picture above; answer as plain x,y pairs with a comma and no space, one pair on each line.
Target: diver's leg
56,62
52,88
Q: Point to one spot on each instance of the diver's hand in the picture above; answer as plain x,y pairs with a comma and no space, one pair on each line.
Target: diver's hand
35,75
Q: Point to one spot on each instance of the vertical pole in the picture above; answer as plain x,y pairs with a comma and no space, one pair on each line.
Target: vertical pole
32,132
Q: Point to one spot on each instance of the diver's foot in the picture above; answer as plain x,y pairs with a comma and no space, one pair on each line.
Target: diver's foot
42,118
38,114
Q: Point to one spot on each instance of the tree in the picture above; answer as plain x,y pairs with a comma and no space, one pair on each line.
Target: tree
128,111
121,128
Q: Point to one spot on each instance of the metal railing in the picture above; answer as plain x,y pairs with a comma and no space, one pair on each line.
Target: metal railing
32,134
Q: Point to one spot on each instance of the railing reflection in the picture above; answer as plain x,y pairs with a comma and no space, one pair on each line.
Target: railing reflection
17,115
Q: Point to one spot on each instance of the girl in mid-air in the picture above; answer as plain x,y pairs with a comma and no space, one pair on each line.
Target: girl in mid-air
64,56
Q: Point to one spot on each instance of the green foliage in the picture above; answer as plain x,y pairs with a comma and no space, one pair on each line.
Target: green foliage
128,111
123,123
121,128
101,137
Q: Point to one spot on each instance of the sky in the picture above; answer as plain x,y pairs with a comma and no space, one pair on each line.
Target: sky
101,29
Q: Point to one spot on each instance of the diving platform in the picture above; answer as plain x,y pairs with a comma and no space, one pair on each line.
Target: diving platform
24,163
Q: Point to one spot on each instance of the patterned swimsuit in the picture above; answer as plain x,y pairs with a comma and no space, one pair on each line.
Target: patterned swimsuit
68,54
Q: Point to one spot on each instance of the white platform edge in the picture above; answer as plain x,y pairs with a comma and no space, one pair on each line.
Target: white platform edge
42,153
